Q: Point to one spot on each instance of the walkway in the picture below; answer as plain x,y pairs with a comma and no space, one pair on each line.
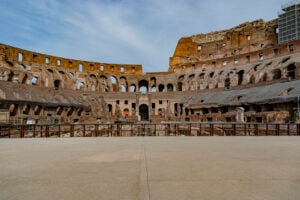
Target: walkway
156,168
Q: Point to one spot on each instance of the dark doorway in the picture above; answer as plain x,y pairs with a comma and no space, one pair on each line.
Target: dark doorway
144,112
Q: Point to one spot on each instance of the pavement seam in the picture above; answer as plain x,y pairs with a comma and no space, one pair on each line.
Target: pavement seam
146,168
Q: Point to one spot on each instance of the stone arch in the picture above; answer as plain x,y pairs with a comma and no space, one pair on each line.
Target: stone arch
252,79
132,88
13,110
37,110
277,74
170,87
93,82
143,86
126,112
264,77
161,88
23,78
123,84
291,71
153,84
26,109
240,76
57,84
103,83
114,83
110,109
144,112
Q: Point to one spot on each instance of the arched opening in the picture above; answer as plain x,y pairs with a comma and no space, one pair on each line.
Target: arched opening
123,88
56,84
109,106
180,86
263,78
144,112
143,86
176,109
161,88
113,80
252,79
276,74
26,109
80,85
291,71
153,81
10,76
240,77
227,83
170,87
24,79
126,112
13,110
132,88
37,110
153,88
34,80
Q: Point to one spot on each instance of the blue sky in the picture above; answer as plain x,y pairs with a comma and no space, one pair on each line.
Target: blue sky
121,31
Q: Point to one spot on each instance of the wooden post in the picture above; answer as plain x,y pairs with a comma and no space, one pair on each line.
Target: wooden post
267,129
211,129
34,130
71,130
256,129
234,129
288,129
83,130
9,127
298,129
59,130
245,129
47,130
22,131
277,129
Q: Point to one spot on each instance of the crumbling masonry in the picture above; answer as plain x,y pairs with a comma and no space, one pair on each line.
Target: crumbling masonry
211,77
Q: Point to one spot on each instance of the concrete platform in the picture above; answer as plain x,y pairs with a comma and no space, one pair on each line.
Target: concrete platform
159,168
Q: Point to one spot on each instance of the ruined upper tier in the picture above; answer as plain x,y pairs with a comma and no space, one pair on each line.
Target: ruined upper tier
242,44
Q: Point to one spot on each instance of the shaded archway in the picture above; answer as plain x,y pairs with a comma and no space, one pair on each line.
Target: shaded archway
144,112
143,86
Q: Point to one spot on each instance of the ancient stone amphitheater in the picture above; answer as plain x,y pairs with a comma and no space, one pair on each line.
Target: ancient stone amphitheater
238,74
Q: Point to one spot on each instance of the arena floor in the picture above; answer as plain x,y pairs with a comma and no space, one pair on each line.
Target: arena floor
158,168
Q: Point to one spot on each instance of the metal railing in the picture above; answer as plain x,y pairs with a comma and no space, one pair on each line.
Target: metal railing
162,129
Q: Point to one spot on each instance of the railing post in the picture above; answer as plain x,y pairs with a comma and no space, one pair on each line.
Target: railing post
211,129
245,129
298,129
34,130
47,130
22,131
41,130
9,127
267,129
59,130
71,130
234,129
256,129
276,129
155,130
190,130
83,130
200,129
288,129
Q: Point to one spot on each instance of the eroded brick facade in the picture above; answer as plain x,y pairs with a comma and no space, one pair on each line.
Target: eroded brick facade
233,63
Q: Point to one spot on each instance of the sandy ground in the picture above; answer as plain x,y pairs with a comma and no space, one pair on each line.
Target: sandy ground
159,168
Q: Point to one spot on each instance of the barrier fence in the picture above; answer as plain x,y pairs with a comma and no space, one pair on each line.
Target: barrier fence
162,129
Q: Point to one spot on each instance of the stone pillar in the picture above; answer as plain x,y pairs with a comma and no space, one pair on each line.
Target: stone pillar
240,114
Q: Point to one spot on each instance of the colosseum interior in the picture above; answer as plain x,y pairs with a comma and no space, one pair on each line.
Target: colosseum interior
242,74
